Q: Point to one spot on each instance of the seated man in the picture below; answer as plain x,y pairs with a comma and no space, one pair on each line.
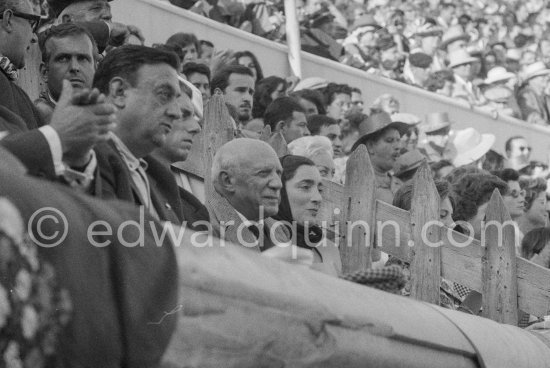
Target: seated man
176,149
246,175
143,84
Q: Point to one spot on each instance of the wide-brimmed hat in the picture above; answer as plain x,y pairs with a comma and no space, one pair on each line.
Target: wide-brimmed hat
471,146
536,69
311,83
453,34
405,117
376,123
366,20
408,161
435,121
498,74
460,57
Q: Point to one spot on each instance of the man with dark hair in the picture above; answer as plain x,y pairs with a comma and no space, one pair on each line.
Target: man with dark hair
286,116
143,84
77,122
236,82
327,127
312,101
356,101
338,100
69,52
199,75
518,152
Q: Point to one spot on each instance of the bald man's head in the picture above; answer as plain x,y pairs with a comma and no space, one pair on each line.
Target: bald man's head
247,173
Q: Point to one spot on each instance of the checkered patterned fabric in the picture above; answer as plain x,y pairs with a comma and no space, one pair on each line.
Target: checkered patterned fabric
461,290
388,279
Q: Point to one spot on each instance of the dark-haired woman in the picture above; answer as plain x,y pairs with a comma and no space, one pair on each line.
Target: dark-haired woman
300,204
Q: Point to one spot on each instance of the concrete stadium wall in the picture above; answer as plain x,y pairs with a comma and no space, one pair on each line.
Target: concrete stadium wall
158,19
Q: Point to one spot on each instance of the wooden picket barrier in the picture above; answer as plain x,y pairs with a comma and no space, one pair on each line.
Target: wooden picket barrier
490,266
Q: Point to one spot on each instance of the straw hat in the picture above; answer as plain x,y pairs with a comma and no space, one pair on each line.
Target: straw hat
408,161
436,121
376,123
536,69
453,34
460,57
471,146
366,20
311,83
498,74
404,117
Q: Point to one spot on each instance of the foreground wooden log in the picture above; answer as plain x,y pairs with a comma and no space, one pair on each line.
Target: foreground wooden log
239,309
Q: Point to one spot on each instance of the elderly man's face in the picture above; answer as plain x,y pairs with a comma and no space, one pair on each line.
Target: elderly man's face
149,109
71,58
88,11
257,184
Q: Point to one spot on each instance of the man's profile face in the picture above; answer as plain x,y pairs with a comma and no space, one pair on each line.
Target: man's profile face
295,128
22,37
180,139
238,93
520,149
71,58
88,11
333,132
258,183
151,108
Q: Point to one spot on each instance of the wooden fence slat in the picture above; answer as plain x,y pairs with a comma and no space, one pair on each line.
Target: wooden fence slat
359,212
218,130
426,263
498,270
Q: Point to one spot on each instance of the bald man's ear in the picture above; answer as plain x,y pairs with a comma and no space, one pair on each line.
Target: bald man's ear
118,92
226,181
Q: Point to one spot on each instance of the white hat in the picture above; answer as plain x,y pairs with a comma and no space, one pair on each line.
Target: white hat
471,146
196,97
513,54
498,74
406,118
311,83
536,69
309,145
460,57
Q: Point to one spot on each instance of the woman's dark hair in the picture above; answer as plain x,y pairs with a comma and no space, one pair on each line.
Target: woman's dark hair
315,97
533,187
291,163
507,174
460,171
494,161
126,60
262,95
183,40
438,165
334,89
257,66
474,190
403,197
534,242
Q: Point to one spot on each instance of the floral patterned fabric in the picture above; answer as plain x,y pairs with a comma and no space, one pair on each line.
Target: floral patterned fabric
32,308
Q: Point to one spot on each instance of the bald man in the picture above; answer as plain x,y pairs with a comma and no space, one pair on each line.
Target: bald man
246,175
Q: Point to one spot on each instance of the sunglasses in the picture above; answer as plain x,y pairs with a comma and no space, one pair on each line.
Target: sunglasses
525,149
33,19
515,194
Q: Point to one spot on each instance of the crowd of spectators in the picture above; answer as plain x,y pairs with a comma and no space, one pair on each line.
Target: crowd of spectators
490,54
119,121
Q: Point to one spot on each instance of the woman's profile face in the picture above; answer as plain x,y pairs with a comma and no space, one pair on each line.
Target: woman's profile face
304,194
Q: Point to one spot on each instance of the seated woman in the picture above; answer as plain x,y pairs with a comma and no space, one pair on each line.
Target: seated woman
300,203
535,246
318,149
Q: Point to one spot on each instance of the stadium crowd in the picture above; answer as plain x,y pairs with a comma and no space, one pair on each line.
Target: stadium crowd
108,135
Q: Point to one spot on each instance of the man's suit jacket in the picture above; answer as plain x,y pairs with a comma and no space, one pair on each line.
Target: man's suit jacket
228,225
195,214
116,182
120,295
20,119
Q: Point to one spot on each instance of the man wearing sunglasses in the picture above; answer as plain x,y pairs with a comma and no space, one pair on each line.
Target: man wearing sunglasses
518,152
46,150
